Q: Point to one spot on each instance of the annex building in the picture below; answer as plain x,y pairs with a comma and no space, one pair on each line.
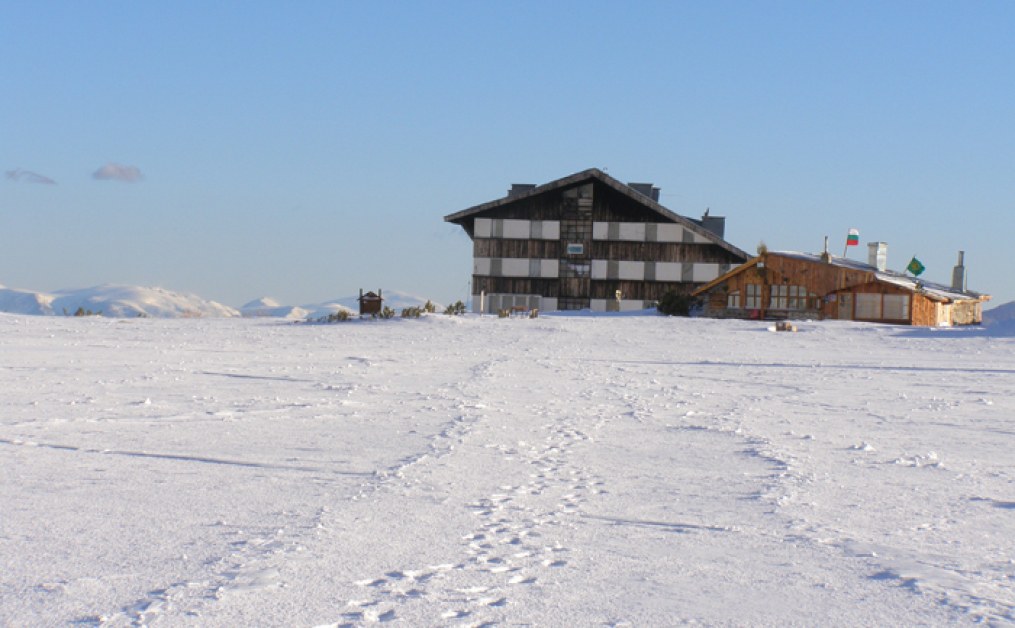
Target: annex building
791,285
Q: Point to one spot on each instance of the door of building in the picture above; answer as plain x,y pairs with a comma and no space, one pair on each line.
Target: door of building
845,306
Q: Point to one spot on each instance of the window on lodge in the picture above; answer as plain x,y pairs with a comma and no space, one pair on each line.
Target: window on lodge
785,297
877,306
733,300
752,296
896,306
868,306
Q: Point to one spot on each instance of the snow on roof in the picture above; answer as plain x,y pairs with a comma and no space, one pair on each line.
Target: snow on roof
931,289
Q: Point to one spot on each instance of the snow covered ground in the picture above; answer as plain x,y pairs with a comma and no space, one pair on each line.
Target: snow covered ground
590,471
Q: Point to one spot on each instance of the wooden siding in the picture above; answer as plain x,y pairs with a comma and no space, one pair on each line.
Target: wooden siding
532,249
662,252
610,205
925,311
516,285
608,250
639,290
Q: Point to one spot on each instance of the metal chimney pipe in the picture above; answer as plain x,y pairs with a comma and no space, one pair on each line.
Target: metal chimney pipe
959,273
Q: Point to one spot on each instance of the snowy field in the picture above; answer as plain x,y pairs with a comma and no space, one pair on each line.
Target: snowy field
579,471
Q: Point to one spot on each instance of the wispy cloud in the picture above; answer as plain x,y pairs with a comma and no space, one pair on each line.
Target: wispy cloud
29,177
118,172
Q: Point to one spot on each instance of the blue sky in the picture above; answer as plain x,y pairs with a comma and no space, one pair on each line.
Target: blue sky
304,150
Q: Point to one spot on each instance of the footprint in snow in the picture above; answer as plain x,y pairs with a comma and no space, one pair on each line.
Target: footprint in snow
521,579
493,601
454,614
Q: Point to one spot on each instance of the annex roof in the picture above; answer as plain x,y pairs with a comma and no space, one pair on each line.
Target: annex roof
597,175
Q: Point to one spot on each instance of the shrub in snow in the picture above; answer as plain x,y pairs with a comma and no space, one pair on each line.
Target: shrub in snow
673,304
412,312
429,307
335,317
386,313
456,309
83,312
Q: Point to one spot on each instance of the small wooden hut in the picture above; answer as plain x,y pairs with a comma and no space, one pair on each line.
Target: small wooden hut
370,303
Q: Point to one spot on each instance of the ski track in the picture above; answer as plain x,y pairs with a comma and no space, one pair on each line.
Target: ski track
512,543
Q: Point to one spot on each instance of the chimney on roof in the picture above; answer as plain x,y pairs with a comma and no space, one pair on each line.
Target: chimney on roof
959,273
877,255
520,189
713,224
646,189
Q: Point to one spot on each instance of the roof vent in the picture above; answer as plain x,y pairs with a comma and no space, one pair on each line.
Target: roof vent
645,189
520,189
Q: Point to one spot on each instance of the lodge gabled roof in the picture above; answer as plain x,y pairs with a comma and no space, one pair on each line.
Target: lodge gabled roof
935,291
597,175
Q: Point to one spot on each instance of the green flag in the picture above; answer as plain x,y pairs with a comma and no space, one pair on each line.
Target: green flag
915,266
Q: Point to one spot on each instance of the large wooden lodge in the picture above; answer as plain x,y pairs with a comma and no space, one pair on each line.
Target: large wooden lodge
790,285
588,241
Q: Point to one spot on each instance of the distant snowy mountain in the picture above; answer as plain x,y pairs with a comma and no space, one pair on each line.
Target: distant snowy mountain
24,302
1001,318
131,301
113,301
268,307
999,314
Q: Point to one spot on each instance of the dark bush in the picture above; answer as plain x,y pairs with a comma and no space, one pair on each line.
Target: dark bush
673,304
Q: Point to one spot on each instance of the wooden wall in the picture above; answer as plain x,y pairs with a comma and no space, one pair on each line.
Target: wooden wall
608,250
631,290
925,311
663,252
549,287
502,247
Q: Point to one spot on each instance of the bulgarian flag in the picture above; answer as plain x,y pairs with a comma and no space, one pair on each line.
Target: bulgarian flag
853,237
